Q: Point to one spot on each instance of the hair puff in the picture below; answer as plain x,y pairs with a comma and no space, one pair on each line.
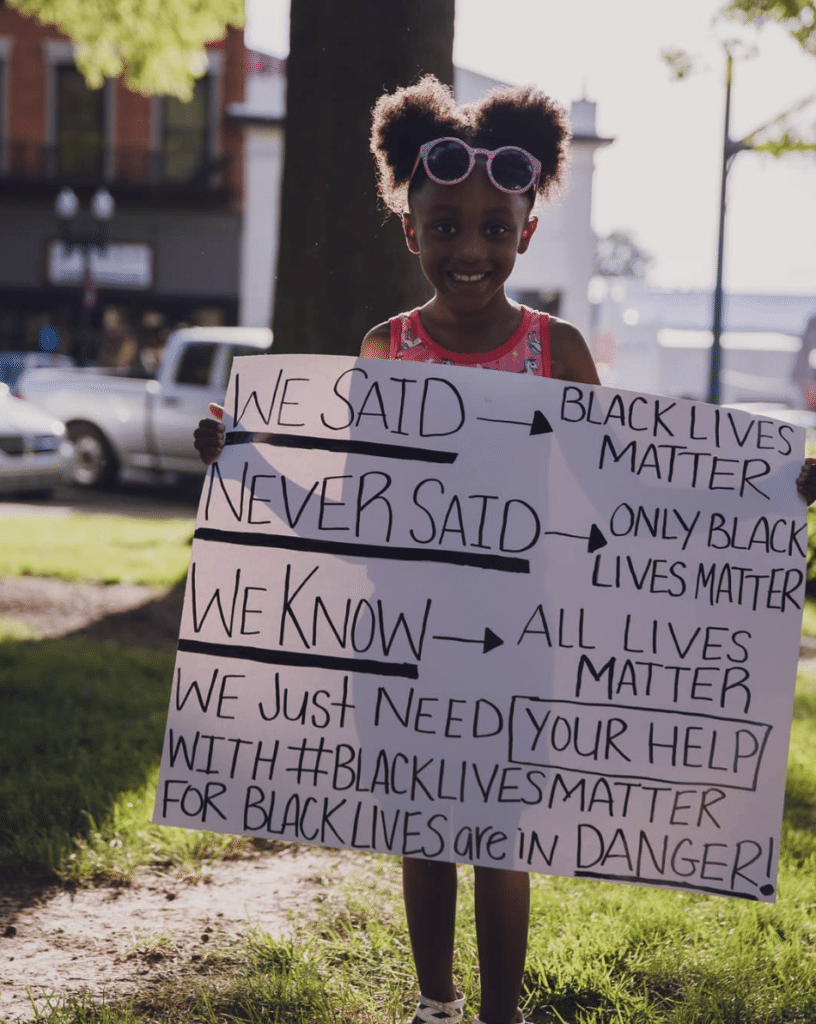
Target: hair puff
509,116
525,117
401,123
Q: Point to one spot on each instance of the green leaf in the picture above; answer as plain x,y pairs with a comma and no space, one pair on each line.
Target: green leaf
680,63
798,17
159,45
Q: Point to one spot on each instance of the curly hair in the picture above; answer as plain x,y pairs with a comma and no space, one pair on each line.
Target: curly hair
511,116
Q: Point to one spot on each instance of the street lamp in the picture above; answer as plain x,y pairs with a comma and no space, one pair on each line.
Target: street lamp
88,237
682,65
730,150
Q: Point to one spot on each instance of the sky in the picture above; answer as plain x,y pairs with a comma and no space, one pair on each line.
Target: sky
660,178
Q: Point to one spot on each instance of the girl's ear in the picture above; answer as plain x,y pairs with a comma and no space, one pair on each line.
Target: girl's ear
527,234
410,233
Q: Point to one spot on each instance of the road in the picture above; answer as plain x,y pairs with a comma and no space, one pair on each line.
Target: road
130,497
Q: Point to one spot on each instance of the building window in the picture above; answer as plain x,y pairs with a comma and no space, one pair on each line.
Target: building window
186,134
196,364
79,120
80,124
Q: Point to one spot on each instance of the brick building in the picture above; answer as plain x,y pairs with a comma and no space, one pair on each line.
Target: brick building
555,273
174,171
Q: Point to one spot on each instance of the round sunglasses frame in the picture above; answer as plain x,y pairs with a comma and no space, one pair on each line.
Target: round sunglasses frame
427,147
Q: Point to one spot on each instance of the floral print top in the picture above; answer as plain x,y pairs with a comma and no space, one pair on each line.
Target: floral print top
527,351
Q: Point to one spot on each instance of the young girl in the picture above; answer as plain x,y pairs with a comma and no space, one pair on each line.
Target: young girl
465,180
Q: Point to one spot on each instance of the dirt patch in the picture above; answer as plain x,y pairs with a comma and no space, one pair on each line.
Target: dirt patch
123,613
115,943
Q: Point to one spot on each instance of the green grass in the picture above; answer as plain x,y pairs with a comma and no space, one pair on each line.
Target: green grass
809,618
108,549
11,629
80,742
598,954
80,745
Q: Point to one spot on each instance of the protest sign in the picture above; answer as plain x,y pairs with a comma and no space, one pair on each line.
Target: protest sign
490,618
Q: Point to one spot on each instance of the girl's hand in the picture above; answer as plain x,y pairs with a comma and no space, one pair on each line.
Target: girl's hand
209,435
806,481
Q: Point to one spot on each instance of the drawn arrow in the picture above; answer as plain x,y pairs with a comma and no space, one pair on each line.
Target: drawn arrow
489,641
595,540
540,424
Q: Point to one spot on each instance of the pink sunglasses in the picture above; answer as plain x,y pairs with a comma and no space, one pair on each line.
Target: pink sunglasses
448,161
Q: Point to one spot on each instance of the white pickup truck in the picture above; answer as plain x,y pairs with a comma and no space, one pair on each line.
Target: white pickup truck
118,422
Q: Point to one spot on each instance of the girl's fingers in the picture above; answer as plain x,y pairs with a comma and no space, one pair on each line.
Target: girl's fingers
806,481
208,438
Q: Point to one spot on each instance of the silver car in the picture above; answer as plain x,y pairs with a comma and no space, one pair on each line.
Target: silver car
35,454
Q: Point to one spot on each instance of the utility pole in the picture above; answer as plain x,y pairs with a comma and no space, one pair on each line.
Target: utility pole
788,139
730,150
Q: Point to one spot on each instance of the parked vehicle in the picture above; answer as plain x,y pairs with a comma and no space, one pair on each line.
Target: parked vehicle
117,422
14,364
35,454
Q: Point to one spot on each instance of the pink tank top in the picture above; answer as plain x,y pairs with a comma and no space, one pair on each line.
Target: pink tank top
527,351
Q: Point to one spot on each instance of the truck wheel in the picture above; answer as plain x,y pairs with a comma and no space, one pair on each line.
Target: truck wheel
94,463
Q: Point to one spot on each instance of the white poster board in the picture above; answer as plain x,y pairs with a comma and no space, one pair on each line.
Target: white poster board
493,619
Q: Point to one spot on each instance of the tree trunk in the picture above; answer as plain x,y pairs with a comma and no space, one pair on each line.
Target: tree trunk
342,268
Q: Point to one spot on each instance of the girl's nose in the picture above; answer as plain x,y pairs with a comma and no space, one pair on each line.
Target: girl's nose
469,246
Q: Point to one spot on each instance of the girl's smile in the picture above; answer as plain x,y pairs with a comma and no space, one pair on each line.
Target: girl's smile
468,278
467,237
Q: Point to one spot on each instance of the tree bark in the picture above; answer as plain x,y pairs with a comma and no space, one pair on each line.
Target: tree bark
342,266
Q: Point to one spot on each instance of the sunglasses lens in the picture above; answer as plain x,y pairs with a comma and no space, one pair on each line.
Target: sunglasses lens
512,170
448,161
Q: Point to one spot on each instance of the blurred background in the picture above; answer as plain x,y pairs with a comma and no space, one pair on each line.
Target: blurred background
127,211
177,190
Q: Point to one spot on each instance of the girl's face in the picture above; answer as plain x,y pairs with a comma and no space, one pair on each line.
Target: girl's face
467,237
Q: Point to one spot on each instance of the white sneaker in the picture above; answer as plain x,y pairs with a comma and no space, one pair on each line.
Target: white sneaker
431,1011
